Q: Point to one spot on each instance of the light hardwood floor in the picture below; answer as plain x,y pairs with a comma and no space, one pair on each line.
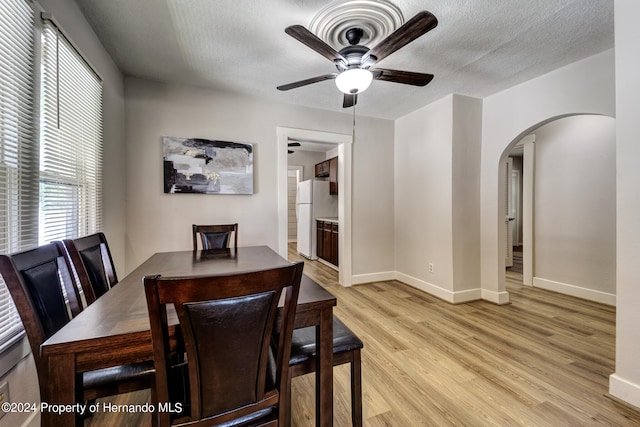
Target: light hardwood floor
543,360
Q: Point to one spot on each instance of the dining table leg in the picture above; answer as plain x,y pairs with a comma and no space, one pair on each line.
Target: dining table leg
58,407
324,369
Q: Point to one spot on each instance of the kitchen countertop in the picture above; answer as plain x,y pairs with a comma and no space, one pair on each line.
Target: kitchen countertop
332,219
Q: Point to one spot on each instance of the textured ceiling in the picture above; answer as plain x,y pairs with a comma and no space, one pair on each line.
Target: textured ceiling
479,47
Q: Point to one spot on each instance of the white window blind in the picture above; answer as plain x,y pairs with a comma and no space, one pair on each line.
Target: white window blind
18,147
70,141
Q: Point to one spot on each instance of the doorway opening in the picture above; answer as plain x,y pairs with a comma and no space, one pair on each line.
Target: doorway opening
518,201
327,143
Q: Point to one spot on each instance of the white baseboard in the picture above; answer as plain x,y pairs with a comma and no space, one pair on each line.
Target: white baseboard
500,298
624,390
467,295
357,279
576,291
444,294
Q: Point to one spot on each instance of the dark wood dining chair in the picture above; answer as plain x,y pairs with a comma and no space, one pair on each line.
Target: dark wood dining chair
91,259
346,349
41,286
226,323
215,236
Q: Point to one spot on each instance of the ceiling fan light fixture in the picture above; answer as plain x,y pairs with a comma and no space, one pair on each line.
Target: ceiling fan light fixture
354,81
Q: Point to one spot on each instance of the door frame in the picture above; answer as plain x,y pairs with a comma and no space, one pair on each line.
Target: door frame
528,188
508,233
344,143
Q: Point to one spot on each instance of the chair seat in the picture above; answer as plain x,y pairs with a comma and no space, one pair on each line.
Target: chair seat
303,343
118,379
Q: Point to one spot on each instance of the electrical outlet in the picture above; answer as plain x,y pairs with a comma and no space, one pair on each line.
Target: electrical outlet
4,396
430,267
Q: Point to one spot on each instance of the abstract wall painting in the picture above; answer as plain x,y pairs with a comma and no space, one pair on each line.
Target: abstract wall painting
195,165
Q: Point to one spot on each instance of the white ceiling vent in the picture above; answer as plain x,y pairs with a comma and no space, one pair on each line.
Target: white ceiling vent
377,18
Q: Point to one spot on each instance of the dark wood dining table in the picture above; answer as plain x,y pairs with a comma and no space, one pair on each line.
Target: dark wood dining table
115,330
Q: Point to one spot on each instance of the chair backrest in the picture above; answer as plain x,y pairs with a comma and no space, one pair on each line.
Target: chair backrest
215,236
41,285
226,324
91,259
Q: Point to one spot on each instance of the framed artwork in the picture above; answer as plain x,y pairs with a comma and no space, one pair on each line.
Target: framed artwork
195,165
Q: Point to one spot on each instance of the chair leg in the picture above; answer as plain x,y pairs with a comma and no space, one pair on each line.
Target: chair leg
286,422
356,389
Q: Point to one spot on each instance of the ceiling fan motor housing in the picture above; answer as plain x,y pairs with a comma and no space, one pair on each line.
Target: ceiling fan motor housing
353,55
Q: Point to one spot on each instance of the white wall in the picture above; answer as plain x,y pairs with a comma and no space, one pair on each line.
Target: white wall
625,383
372,199
575,207
586,86
467,134
437,198
162,222
306,159
423,202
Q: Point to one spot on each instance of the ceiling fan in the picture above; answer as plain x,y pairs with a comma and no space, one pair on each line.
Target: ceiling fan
292,144
354,62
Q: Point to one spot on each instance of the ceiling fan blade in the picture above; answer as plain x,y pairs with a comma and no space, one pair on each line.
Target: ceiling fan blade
349,100
412,29
308,81
406,77
305,36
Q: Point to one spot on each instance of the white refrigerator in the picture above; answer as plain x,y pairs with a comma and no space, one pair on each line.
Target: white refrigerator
312,201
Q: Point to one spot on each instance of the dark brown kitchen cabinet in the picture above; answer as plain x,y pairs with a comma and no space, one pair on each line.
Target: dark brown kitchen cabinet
333,175
329,169
334,244
327,241
322,169
320,239
327,253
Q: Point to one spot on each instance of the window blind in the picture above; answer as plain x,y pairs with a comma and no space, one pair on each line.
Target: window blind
70,141
18,147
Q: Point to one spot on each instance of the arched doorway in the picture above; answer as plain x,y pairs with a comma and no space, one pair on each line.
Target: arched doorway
568,206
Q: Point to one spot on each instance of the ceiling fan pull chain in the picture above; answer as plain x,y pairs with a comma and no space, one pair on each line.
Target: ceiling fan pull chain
353,128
